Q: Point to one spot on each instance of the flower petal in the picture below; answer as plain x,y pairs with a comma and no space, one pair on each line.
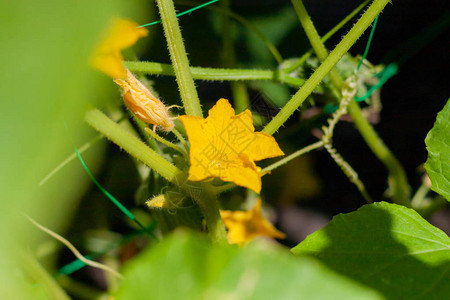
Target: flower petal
243,226
109,63
195,132
242,176
263,146
224,145
144,105
219,116
121,35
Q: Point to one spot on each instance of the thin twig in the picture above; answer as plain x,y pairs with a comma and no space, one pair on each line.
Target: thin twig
74,250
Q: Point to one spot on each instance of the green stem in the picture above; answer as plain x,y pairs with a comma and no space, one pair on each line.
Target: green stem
290,157
329,34
316,43
132,145
151,142
349,39
154,68
228,53
397,175
240,96
179,58
165,142
238,89
398,180
347,170
181,138
217,74
419,196
275,53
224,188
207,200
224,10
428,208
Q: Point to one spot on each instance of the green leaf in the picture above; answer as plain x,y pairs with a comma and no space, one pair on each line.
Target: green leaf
45,77
388,247
438,146
186,267
275,26
275,94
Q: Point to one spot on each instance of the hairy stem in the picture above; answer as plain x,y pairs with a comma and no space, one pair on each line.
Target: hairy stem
166,142
217,74
397,175
348,92
290,157
329,34
349,39
132,145
153,68
204,195
179,58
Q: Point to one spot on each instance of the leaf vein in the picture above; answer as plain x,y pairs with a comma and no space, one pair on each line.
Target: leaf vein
421,238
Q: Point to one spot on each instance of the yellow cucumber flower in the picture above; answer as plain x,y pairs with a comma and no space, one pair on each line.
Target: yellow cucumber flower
226,146
144,104
121,35
244,226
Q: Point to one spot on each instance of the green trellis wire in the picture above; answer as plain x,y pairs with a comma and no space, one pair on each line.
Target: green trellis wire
384,75
182,13
116,202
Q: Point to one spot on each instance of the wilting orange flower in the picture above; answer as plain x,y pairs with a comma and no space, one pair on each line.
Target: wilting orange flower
121,35
226,146
144,104
244,226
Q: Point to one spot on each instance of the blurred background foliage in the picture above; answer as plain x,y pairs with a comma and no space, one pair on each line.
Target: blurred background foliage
45,79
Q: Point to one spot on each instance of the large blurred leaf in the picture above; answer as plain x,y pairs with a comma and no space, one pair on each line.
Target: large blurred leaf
387,247
45,77
186,267
438,146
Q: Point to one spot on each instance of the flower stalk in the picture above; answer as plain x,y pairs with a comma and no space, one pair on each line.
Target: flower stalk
163,141
207,200
132,145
